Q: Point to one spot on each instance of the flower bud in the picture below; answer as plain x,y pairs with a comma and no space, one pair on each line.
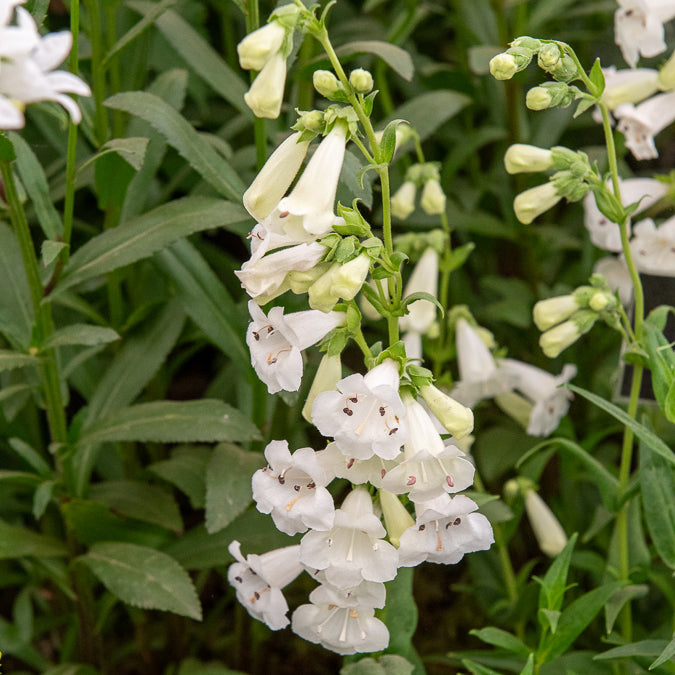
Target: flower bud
326,83
503,66
433,198
535,201
396,519
328,374
598,302
361,80
312,120
522,158
258,47
565,70
548,57
403,200
320,293
526,42
667,74
349,278
455,417
516,406
552,311
557,339
547,529
631,85
539,98
267,91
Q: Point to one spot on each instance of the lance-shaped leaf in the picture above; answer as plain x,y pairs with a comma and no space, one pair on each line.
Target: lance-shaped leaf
10,360
143,577
18,542
394,56
81,334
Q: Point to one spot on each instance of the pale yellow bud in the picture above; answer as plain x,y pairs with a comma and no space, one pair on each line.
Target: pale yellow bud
552,311
523,158
557,339
455,417
267,91
258,47
328,374
535,201
503,66
547,529
433,198
361,80
538,98
396,519
326,83
598,302
403,200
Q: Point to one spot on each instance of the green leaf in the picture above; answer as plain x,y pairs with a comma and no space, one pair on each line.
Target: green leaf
7,153
143,577
387,664
529,666
35,183
132,150
554,583
477,669
135,499
666,655
42,497
112,176
187,471
19,478
644,434
501,638
146,235
662,366
30,456
550,618
50,251
657,480
191,666
423,295
388,142
183,137
19,542
10,360
641,648
398,59
597,78
172,422
81,334
619,599
575,618
71,669
228,484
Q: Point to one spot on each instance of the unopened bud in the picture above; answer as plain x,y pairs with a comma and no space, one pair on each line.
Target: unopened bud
312,120
433,198
349,278
557,339
522,158
598,302
538,98
396,519
257,47
535,201
326,83
361,80
547,529
455,417
549,56
328,374
503,66
565,70
552,311
527,42
667,74
403,200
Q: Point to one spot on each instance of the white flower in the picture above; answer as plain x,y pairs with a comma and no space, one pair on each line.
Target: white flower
258,580
365,416
605,234
455,418
641,123
275,177
276,341
429,467
446,529
307,212
343,620
550,401
328,374
20,40
547,529
479,377
654,247
353,550
258,47
433,198
628,85
293,489
535,201
356,471
424,278
638,27
265,95
403,200
340,281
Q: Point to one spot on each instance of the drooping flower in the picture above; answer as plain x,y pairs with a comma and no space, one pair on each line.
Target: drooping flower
455,417
523,158
266,93
258,47
293,489
638,27
339,281
424,278
258,580
535,201
654,247
18,40
641,123
552,311
343,620
403,200
365,416
560,337
547,528
276,340
353,550
446,528
550,402
433,198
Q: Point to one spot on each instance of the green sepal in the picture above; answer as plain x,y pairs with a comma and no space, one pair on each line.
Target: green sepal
597,77
388,143
334,344
419,375
380,273
7,153
608,204
353,317
346,249
331,242
355,223
368,101
373,247
423,295
365,169
374,299
395,352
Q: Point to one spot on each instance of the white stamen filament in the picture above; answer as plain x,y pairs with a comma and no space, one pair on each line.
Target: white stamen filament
367,417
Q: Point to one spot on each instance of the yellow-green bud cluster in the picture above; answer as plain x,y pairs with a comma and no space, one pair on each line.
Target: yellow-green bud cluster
426,176
550,95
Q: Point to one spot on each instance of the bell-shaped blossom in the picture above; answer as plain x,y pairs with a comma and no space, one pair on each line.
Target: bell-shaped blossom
604,233
638,27
641,123
258,580
266,93
276,340
343,620
550,401
353,550
258,47
293,489
365,416
433,198
403,200
654,247
535,201
547,528
307,212
424,278
429,468
479,376
274,179
446,528
356,471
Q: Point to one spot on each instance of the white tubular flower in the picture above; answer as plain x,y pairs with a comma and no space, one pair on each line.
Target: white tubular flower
20,40
328,374
293,489
617,277
455,418
641,123
629,85
276,341
433,198
550,401
353,550
258,47
446,529
479,376
396,518
605,234
307,212
403,200
340,281
412,342
356,471
552,311
343,620
522,158
266,94
654,247
258,580
638,27
365,416
424,278
429,467
275,177
547,529
535,201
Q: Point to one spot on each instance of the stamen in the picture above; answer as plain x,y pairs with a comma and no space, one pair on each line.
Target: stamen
382,410
440,541
311,485
411,480
448,480
367,417
284,214
343,632
290,504
350,463
239,579
297,488
457,521
422,527
347,412
393,431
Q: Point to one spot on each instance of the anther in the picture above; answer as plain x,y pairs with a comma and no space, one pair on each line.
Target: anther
381,411
350,463
347,411
411,480
393,431
457,521
297,488
448,480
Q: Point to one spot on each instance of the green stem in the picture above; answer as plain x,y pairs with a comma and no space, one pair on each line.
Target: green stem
361,342
253,23
97,70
